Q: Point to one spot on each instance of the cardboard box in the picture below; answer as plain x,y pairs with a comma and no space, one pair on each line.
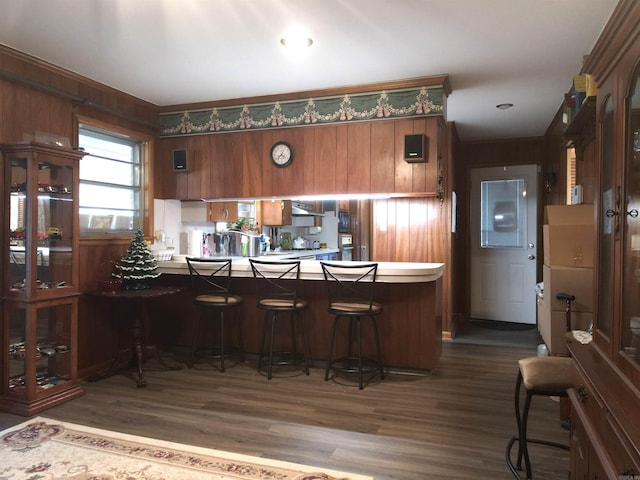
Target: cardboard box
569,235
572,280
552,326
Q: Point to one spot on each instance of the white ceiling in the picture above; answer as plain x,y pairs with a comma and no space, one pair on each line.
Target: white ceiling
172,52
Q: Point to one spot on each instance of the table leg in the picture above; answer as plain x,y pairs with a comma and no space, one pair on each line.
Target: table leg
138,334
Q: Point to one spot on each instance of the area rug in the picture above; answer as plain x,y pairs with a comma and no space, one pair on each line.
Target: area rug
42,448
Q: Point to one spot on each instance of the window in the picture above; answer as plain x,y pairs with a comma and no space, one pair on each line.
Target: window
111,179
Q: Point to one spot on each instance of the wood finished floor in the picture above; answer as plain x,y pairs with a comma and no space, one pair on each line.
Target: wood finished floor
452,424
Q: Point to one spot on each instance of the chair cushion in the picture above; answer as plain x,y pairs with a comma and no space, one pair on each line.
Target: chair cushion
355,307
218,300
551,374
280,303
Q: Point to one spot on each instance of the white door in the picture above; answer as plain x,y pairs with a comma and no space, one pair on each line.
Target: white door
503,225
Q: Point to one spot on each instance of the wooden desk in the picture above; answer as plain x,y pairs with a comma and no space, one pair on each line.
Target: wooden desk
140,328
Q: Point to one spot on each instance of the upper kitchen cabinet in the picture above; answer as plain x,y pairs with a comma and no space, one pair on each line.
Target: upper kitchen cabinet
222,211
275,213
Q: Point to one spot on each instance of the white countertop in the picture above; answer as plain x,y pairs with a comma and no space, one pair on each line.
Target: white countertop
388,272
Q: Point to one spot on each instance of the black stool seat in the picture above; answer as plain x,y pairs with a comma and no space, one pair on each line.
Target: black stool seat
210,279
277,293
548,376
350,293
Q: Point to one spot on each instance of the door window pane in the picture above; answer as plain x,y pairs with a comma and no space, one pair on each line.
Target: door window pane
503,213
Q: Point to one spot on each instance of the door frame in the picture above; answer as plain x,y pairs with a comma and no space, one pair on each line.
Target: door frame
463,207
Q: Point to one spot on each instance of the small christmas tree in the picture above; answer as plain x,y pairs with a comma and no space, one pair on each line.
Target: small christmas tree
137,266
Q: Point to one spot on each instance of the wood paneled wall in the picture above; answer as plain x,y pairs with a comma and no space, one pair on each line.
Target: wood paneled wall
366,157
39,97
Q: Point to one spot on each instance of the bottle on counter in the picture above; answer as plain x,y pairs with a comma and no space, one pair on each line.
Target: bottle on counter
206,249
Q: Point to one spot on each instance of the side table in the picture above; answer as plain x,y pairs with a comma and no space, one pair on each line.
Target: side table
137,298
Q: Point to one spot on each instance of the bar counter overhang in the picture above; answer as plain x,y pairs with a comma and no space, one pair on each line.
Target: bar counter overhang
410,325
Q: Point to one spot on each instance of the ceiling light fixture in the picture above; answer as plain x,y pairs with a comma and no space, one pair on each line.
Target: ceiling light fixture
296,42
296,38
504,106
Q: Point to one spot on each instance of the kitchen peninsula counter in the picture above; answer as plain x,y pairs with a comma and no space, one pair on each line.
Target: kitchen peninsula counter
388,272
410,325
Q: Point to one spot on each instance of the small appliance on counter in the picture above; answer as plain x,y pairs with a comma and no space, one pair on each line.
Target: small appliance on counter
299,243
244,244
194,248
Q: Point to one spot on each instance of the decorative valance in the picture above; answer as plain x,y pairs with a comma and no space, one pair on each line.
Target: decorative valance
412,102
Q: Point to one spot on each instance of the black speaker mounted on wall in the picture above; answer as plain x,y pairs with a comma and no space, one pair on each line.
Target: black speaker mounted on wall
415,148
180,161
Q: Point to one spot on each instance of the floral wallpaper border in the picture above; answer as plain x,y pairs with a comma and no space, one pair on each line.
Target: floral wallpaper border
420,101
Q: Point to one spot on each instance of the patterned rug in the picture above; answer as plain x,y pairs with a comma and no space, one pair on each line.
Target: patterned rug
42,448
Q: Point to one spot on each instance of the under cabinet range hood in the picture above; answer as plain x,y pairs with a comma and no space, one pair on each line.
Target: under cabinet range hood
301,209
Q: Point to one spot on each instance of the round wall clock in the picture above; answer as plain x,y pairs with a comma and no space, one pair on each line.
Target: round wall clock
281,154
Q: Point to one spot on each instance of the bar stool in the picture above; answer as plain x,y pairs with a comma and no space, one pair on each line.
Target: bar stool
210,279
351,297
548,376
277,284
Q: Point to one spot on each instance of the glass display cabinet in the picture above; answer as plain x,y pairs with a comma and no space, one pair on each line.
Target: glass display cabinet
39,276
630,332
605,418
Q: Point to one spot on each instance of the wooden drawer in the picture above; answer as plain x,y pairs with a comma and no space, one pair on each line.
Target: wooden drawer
591,403
625,461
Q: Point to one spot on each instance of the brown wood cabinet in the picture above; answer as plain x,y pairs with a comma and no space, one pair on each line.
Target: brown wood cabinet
222,211
39,277
276,213
605,402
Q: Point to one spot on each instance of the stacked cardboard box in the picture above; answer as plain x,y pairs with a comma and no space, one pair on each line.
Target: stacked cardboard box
568,243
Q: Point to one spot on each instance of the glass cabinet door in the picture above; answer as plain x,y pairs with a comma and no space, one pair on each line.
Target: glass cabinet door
39,359
41,224
609,223
55,228
630,333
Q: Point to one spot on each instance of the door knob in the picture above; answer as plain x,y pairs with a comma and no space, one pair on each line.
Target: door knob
531,257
